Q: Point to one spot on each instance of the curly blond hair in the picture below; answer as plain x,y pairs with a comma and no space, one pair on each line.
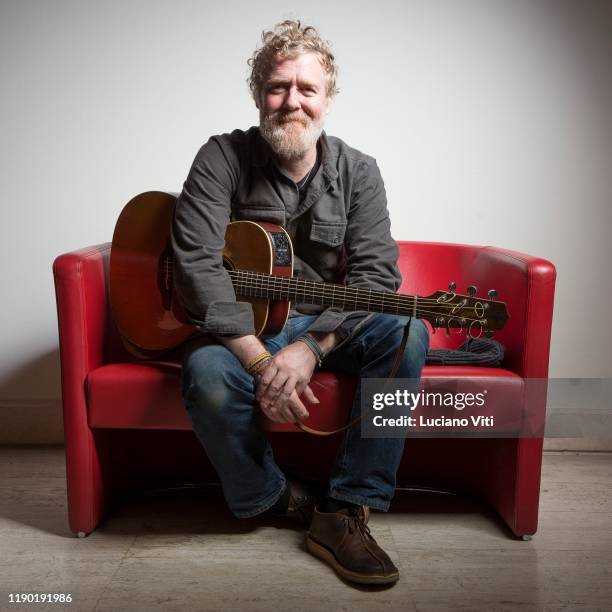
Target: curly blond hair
287,40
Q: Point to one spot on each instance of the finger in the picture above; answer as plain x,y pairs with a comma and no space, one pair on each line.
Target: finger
280,415
288,388
275,388
272,413
264,380
310,396
287,415
297,407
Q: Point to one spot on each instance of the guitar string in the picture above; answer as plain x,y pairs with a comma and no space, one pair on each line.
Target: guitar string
406,309
245,286
318,291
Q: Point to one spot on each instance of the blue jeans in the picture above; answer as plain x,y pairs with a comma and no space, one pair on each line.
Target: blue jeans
219,396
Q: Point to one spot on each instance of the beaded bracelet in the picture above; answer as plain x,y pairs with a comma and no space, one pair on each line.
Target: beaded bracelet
260,366
313,345
251,364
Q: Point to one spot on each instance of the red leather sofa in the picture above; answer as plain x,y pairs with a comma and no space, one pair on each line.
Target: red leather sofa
126,428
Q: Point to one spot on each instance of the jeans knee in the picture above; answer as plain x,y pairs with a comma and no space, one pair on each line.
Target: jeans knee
205,394
211,377
384,337
417,345
416,348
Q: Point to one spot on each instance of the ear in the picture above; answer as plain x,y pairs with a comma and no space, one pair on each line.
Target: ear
328,105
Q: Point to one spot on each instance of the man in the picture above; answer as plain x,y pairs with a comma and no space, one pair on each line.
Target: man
331,200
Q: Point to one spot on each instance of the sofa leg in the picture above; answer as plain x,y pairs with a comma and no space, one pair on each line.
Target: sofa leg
81,534
526,538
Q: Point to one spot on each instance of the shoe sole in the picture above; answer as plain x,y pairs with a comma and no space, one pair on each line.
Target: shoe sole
326,555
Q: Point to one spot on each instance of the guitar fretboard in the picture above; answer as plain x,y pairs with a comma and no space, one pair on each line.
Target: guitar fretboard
267,286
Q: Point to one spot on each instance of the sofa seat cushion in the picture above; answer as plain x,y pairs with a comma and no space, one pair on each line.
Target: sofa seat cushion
147,395
504,399
136,396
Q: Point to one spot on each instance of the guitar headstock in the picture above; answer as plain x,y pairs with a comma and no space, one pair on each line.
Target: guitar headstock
475,315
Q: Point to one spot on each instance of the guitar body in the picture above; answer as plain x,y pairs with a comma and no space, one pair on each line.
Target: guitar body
145,309
266,248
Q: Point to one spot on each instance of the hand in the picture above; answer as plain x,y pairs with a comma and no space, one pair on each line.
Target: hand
294,410
283,381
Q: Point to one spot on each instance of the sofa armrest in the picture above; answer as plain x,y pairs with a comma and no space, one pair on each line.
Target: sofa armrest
528,284
85,335
81,291
88,338
524,282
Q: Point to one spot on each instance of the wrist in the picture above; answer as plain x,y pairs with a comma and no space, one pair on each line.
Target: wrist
314,348
257,374
258,364
327,341
244,347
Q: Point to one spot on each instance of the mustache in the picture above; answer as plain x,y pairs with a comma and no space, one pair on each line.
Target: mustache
279,118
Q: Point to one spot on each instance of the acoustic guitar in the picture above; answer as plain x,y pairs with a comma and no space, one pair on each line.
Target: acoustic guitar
258,257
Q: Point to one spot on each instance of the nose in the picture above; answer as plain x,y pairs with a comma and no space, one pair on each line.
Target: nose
292,99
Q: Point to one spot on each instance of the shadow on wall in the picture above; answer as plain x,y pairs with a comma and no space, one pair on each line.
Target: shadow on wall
30,402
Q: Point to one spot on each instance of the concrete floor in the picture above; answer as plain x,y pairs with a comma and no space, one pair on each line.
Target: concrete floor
180,549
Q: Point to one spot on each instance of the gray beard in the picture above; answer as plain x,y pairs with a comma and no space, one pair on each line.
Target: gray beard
290,141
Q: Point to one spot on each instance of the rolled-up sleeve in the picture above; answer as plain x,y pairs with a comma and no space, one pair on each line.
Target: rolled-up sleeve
201,215
371,251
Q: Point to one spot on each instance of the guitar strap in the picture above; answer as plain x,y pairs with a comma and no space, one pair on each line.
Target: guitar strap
396,364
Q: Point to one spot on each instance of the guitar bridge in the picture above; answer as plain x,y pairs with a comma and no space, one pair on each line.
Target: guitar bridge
165,280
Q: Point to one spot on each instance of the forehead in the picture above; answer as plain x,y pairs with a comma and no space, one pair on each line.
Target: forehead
306,66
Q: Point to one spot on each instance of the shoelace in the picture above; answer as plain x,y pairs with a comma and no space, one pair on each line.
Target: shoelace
355,522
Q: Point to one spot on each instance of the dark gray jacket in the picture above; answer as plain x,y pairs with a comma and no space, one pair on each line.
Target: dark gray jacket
340,229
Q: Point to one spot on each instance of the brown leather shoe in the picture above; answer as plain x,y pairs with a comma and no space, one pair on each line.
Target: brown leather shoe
343,540
302,501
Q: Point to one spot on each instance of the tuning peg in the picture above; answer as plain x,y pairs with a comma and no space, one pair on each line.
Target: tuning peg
492,293
452,286
472,289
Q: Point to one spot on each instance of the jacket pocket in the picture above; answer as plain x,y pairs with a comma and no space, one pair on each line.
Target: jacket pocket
257,210
331,234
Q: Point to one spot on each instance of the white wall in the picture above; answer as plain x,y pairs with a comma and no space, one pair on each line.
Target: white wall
491,122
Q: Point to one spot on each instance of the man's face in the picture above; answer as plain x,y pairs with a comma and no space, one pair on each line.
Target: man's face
293,104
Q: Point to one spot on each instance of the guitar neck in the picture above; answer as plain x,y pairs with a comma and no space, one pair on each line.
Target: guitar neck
291,289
